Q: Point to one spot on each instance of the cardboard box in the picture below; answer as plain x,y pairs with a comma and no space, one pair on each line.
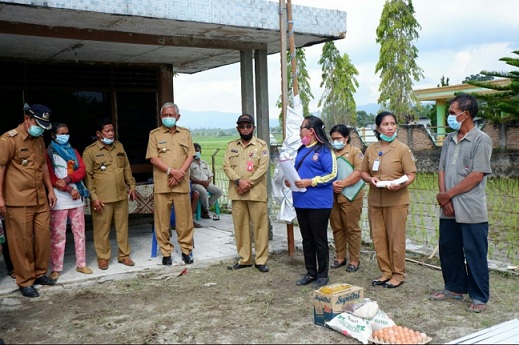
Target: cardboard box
329,300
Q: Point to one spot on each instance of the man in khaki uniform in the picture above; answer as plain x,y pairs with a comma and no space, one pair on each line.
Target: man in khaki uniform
246,163
110,183
23,200
171,151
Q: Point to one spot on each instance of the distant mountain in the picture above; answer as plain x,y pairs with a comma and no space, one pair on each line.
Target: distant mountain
370,108
207,119
225,120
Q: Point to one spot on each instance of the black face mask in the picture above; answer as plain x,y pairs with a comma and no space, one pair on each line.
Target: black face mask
246,137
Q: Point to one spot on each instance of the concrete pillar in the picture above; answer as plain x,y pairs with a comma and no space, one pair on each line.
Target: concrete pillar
247,82
165,86
262,111
262,95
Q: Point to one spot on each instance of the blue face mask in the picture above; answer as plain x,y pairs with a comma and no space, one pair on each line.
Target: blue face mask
107,141
169,121
452,121
388,139
62,139
35,131
197,155
338,145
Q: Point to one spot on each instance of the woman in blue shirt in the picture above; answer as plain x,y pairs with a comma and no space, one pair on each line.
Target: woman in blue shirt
317,168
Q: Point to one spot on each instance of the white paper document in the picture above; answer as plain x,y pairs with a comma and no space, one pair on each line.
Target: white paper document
291,174
385,184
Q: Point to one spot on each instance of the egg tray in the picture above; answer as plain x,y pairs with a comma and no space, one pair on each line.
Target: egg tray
377,341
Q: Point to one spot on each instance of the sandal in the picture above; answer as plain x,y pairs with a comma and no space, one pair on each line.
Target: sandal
476,307
444,295
216,217
351,268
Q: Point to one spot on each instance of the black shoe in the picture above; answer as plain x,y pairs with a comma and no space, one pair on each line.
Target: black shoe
29,291
44,280
187,258
262,268
351,268
379,282
337,264
391,286
321,282
307,279
205,216
237,266
166,261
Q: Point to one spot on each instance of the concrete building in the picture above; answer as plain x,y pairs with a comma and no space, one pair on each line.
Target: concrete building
88,58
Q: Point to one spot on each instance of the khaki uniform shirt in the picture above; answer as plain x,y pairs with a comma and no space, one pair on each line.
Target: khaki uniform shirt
108,172
249,162
200,170
173,149
353,155
395,162
24,158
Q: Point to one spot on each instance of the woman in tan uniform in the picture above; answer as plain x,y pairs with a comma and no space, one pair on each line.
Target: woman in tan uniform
385,161
345,215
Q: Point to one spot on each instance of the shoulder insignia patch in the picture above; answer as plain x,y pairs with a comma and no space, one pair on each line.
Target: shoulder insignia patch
412,156
12,133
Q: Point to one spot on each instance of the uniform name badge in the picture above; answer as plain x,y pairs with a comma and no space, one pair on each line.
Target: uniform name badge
376,165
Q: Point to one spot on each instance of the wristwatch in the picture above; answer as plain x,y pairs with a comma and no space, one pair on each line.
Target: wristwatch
169,171
237,182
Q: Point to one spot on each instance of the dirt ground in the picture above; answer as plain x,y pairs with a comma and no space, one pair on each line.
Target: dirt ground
215,305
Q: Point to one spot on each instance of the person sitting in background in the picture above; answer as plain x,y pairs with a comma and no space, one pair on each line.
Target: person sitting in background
195,196
67,171
201,177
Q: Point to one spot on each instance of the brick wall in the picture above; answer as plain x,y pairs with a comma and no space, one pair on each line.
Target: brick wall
505,139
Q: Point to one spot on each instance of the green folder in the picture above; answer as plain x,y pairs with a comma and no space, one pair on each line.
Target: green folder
344,169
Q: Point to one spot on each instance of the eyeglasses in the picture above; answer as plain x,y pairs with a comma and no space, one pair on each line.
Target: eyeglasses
249,126
301,128
337,138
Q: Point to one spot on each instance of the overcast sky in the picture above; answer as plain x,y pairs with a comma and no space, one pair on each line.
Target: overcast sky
458,38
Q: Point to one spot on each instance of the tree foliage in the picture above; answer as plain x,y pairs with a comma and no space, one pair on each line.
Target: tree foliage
444,81
477,77
397,60
502,106
365,120
338,78
303,83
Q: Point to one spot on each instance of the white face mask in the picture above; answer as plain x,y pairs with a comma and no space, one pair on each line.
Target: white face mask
107,141
337,144
452,121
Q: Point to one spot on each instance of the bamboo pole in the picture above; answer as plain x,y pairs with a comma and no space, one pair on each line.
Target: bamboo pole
284,98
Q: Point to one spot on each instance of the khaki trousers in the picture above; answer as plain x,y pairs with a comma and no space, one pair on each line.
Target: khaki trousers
388,226
183,221
344,220
29,241
246,213
102,223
